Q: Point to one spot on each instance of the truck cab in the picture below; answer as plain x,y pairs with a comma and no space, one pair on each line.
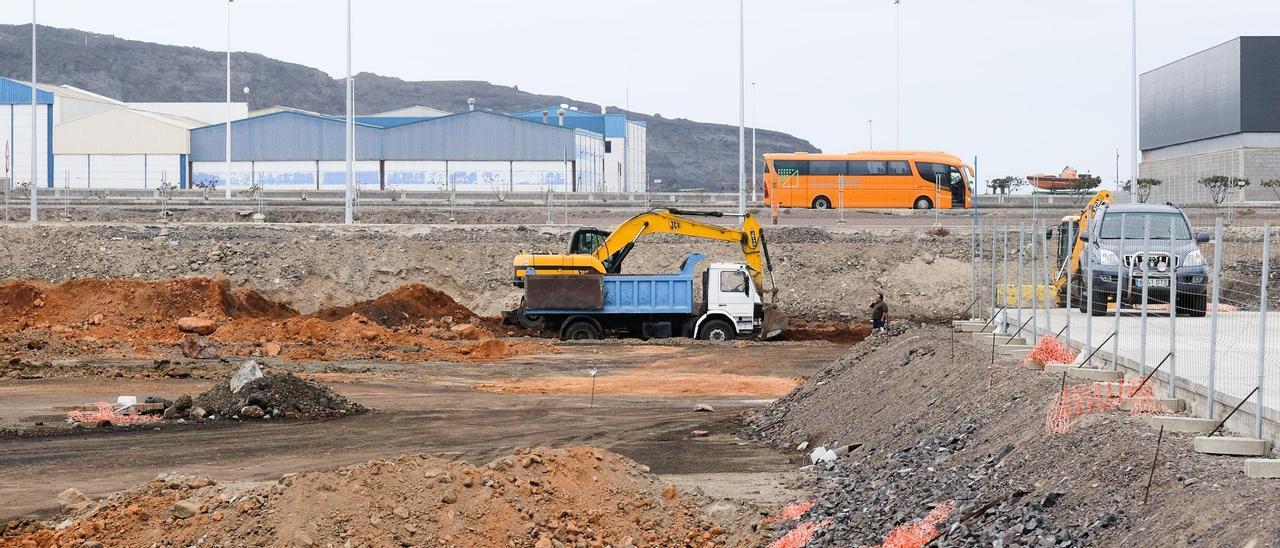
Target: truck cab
730,302
1144,245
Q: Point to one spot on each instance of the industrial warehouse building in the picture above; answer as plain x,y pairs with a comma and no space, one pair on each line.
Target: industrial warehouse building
15,132
623,162
1216,112
478,150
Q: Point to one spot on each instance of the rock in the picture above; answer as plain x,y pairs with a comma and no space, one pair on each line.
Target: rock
271,349
301,538
543,542
466,331
669,492
449,498
184,509
699,433
251,412
803,445
197,413
91,544
702,407
194,346
248,372
401,512
74,501
197,483
199,326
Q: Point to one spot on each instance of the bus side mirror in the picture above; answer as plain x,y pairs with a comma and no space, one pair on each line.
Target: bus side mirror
1084,237
1202,238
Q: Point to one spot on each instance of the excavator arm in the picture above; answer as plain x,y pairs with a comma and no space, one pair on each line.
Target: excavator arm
1083,221
608,256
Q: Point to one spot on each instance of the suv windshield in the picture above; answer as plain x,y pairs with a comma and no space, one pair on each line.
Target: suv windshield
1135,225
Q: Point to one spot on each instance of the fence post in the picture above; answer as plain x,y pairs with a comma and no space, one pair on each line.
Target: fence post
993,268
1032,281
1070,249
1262,326
1022,243
1120,275
975,252
1004,301
1088,289
1142,323
1213,321
1042,232
1173,308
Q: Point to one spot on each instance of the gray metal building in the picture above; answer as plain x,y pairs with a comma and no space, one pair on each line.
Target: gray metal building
476,150
1216,112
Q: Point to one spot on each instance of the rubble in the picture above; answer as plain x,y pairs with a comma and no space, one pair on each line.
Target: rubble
274,396
199,326
570,497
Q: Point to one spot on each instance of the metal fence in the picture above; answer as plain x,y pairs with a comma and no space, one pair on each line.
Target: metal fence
1217,345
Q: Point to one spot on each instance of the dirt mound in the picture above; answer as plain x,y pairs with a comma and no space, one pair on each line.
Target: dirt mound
835,332
132,318
276,396
540,497
927,422
407,305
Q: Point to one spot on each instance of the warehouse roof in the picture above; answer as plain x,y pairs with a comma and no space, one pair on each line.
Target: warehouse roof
13,92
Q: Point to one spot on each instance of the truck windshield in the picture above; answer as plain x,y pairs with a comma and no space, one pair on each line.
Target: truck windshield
1135,224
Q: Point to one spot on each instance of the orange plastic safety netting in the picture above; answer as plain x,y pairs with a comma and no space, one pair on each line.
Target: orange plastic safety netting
108,413
916,535
791,512
1100,397
800,536
1049,350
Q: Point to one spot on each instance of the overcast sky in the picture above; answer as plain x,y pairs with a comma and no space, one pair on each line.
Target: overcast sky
1026,86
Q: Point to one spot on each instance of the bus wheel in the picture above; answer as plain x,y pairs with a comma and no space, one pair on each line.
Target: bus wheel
923,203
822,202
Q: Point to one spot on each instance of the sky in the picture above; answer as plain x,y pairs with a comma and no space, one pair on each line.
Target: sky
1022,86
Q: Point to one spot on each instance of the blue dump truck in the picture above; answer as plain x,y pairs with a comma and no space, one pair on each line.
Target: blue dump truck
583,307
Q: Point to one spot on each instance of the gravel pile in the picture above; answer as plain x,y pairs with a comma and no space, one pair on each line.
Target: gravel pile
275,396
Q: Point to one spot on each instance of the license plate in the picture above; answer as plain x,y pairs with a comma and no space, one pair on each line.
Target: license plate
1154,282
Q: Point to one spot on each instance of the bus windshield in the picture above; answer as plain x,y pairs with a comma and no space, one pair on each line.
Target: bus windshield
1135,226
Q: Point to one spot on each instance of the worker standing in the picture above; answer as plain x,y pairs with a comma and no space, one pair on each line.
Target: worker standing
879,313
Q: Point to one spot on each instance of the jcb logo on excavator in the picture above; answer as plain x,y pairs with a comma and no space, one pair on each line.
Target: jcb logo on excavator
674,224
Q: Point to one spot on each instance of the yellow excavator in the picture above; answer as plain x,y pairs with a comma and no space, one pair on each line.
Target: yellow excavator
1069,249
572,288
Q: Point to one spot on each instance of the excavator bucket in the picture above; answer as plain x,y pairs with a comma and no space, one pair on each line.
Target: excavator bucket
775,322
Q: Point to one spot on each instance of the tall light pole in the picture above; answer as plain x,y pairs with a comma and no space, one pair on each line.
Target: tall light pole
226,153
871,137
351,126
754,124
1133,104
898,48
35,216
742,109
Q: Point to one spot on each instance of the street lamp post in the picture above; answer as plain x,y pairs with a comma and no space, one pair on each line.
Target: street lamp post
742,109
871,137
898,55
351,127
35,216
226,166
1133,103
754,123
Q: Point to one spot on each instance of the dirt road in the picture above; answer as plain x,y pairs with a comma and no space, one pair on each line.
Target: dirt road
429,407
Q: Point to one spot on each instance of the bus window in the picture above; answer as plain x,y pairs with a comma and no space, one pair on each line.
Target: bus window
826,167
899,168
933,173
791,167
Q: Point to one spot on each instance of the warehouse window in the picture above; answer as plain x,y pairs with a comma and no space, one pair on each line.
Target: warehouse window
608,147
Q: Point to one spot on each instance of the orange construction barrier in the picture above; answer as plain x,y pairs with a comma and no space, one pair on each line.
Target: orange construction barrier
916,535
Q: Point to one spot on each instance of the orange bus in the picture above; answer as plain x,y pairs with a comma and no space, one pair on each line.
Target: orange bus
871,179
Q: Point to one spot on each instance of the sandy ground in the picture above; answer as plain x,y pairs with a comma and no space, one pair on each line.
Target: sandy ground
422,407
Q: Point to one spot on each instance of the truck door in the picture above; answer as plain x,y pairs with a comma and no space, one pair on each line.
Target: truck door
731,293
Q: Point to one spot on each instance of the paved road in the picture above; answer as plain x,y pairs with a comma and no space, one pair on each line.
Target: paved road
1238,345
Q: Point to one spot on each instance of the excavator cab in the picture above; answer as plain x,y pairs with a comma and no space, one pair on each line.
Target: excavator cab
585,241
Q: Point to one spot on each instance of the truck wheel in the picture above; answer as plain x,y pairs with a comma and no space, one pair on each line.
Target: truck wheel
1100,304
580,330
1193,306
529,321
717,330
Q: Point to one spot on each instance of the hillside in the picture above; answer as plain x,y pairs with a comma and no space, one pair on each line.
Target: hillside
682,153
